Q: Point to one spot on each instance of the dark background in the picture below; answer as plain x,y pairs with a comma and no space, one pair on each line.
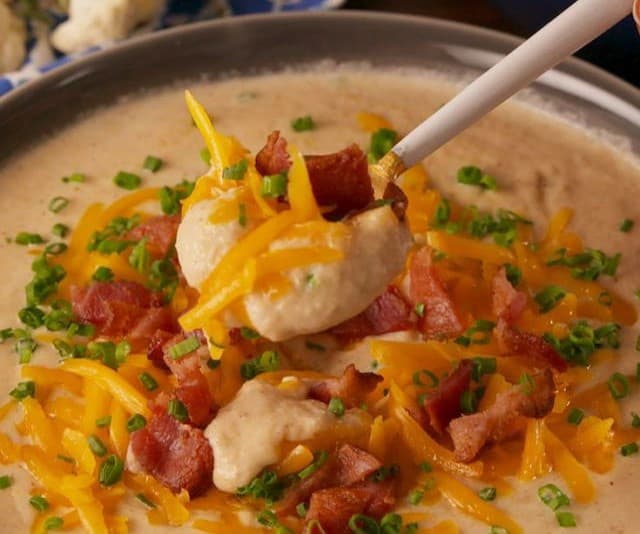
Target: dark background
617,52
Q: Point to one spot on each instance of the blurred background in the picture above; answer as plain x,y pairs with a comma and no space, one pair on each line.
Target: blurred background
618,51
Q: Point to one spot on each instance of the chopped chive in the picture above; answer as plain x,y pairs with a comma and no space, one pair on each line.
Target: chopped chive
301,510
618,385
55,248
495,529
27,238
76,177
488,494
60,230
629,449
177,410
425,467
236,171
95,444
39,503
553,496
626,225
242,214
432,379
185,346
336,406
23,390
319,459
575,416
416,496
111,470
127,180
269,360
248,333
566,519
65,459
382,141
145,500
171,197
205,156
102,274
5,482
527,384
472,175
303,124
152,163
483,366
549,297
31,316
514,274
148,381
57,204
419,309
103,422
635,420
53,523
136,422
274,185
468,402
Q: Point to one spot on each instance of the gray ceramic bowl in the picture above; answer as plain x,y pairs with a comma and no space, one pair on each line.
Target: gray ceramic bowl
254,43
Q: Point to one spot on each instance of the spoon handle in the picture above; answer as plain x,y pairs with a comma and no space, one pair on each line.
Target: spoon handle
567,33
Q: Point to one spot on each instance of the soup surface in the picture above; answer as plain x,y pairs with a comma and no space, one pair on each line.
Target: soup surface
541,165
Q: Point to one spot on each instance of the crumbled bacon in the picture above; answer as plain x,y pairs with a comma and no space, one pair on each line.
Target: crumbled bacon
155,347
352,387
533,347
349,467
273,157
333,507
340,180
440,318
114,308
444,403
390,312
504,418
192,386
160,233
508,303
177,454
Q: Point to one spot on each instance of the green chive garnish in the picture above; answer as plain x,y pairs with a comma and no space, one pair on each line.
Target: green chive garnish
274,185
102,274
205,156
145,500
185,346
419,377
213,364
303,124
382,141
76,177
236,171
152,163
177,410
514,274
27,238
416,496
127,180
635,420
419,309
566,519
111,470
57,204
629,449
242,214
626,225
488,494
95,444
60,230
5,482
103,422
23,390
53,523
575,416
549,297
248,333
39,503
336,406
472,175
553,496
136,422
468,402
148,381
618,386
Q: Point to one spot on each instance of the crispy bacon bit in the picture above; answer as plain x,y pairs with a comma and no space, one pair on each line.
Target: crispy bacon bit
534,348
504,418
192,388
352,387
273,157
155,348
508,303
160,233
440,318
348,467
444,404
333,507
341,180
390,312
178,455
399,201
114,308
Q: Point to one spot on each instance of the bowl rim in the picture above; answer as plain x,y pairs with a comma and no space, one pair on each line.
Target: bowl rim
66,73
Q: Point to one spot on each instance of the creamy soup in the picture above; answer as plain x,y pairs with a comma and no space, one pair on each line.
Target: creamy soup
540,163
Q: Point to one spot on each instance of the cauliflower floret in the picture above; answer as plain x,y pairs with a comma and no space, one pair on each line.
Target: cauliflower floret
12,39
91,23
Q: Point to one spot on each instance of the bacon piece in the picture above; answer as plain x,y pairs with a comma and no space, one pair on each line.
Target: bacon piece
178,455
348,466
535,348
504,418
273,157
508,303
114,308
193,388
333,507
390,312
440,318
444,404
352,387
160,233
155,348
341,180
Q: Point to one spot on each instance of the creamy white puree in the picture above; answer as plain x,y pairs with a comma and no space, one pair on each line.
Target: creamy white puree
247,435
541,164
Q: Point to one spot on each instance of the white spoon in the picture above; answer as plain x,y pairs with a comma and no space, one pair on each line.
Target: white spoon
571,30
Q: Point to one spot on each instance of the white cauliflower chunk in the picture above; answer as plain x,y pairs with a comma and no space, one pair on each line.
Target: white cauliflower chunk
93,22
12,39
